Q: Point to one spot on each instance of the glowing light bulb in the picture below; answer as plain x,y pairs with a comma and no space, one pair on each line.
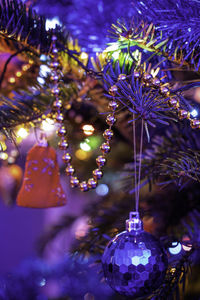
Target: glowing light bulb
84,55
176,249
25,67
12,79
22,133
3,155
194,113
18,74
48,125
88,129
51,23
102,189
85,147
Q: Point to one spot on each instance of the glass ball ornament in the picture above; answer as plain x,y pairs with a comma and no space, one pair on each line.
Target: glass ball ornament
134,262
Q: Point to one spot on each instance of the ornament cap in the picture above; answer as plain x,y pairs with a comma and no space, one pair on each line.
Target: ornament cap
134,223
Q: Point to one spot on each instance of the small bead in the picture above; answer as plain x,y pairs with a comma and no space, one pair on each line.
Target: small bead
55,91
92,183
59,118
112,105
136,74
105,147
74,182
83,186
164,91
113,90
69,170
97,173
63,145
183,114
61,131
156,82
194,123
66,158
57,104
108,134
54,77
122,77
54,64
147,77
173,102
110,120
100,160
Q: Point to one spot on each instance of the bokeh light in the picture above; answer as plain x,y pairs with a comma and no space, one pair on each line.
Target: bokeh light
22,133
81,154
85,146
3,155
48,125
51,23
88,129
102,189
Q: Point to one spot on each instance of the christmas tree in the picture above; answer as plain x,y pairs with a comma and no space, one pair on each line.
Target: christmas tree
112,90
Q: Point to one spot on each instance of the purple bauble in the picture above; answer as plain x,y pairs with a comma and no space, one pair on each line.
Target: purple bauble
134,262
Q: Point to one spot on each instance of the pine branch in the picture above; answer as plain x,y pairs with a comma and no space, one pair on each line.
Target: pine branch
11,110
168,162
176,43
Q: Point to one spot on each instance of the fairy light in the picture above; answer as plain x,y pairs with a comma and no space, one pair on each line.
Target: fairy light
31,62
18,74
11,79
3,155
85,146
22,133
48,125
25,67
84,55
51,23
88,129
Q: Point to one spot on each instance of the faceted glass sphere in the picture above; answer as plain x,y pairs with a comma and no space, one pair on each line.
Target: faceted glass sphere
134,263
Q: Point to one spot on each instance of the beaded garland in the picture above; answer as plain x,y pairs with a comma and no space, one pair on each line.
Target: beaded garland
148,81
63,144
173,102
